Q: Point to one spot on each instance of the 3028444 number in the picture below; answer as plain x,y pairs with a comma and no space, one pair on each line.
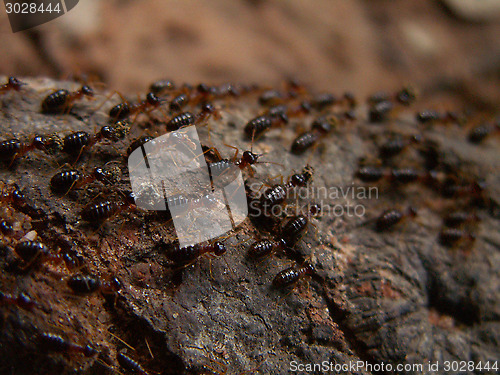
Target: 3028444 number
32,8
459,366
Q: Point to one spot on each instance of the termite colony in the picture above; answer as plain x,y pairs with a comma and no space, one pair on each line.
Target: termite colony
403,160
89,181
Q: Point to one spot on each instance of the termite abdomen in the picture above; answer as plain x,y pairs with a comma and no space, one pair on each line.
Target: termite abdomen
120,111
129,364
75,142
292,275
255,127
390,218
180,121
303,142
100,211
84,284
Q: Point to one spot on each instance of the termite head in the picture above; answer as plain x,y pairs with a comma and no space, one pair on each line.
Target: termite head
108,132
89,351
309,267
411,212
115,284
153,100
87,91
250,158
52,144
15,83
130,198
208,108
416,138
315,210
407,95
219,248
39,142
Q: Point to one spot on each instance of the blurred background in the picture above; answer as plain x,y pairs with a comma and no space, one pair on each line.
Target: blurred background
335,45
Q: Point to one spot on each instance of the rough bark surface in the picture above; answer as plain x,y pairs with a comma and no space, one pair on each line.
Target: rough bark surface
396,297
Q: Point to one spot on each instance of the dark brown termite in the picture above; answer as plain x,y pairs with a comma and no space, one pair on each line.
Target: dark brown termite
434,117
161,86
56,343
389,218
393,175
130,365
397,144
320,128
22,301
102,211
34,251
479,133
189,254
6,227
382,104
87,284
65,181
75,143
12,149
187,118
293,228
12,195
124,110
265,247
452,237
61,101
457,219
275,195
13,84
259,125
290,276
